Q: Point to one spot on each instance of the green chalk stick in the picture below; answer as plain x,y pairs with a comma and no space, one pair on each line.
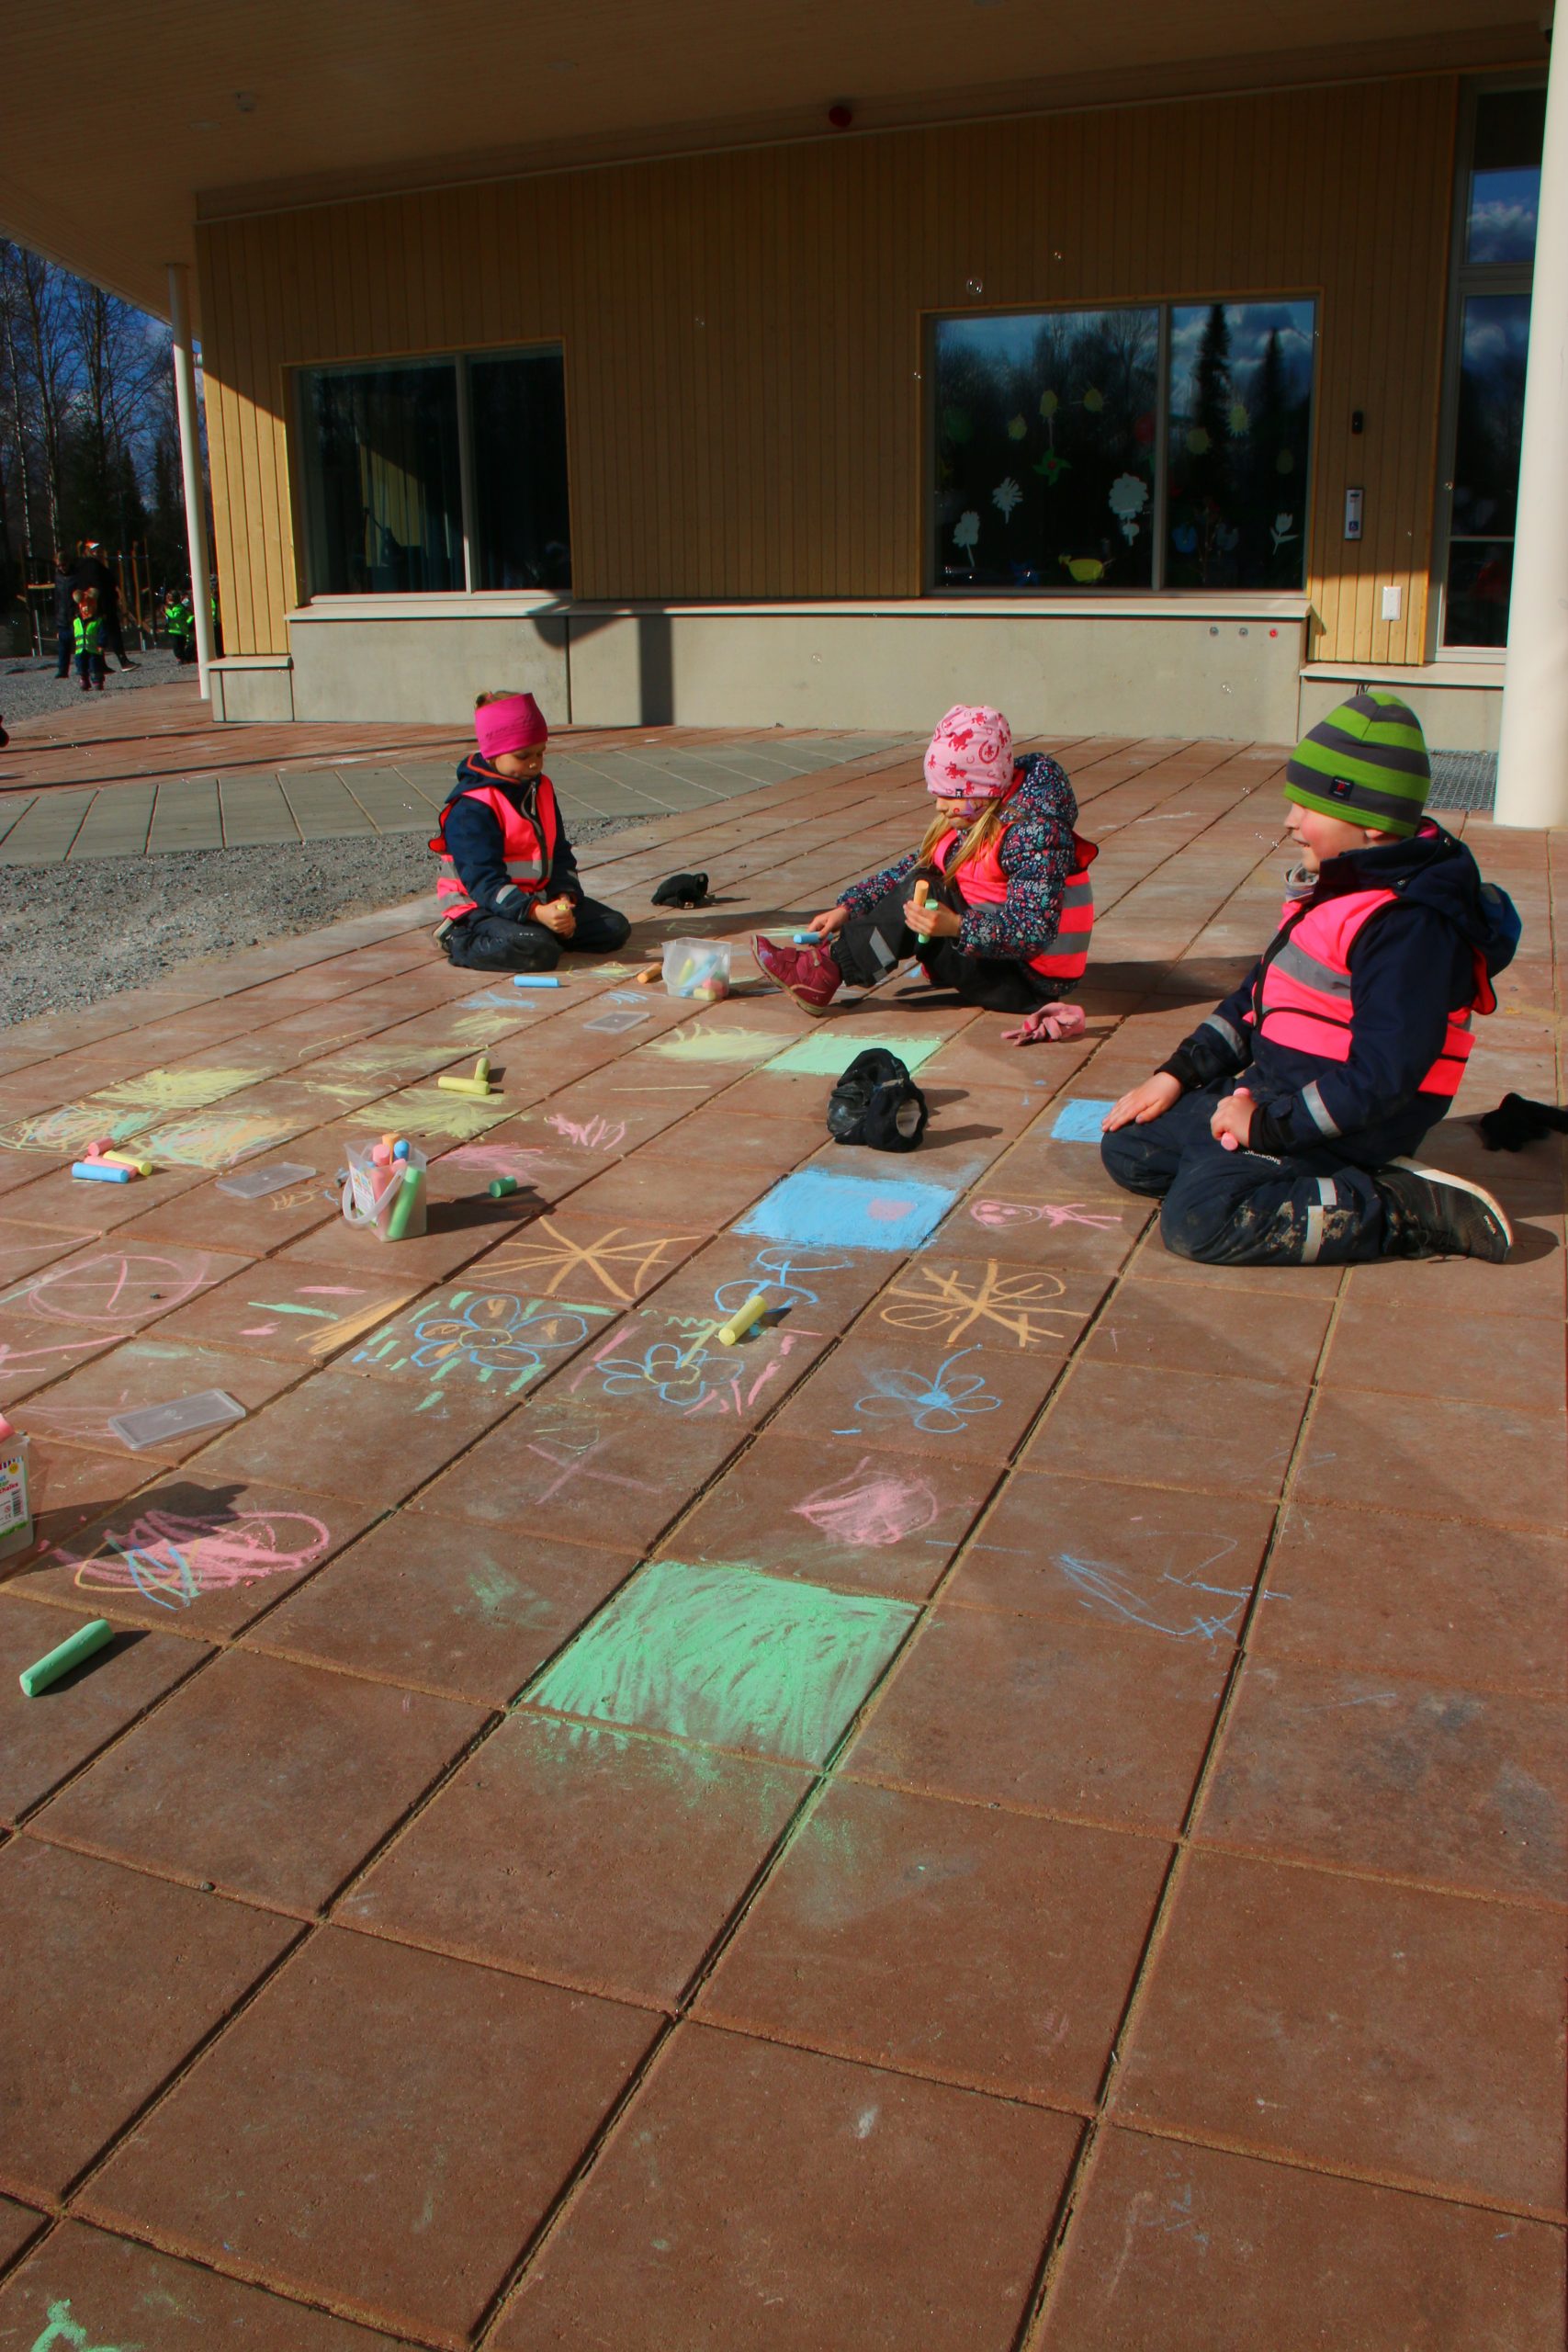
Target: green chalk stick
501,1187
405,1205
82,1644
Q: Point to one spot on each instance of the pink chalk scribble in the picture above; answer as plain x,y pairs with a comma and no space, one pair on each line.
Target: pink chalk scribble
171,1559
888,1211
494,1159
870,1512
117,1287
594,1135
996,1215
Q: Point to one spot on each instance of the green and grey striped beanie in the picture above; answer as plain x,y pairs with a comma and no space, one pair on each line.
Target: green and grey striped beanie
1365,762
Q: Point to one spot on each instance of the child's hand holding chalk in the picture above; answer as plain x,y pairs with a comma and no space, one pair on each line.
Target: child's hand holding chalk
1231,1126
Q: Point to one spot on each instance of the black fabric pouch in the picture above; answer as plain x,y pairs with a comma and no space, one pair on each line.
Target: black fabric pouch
682,890
877,1103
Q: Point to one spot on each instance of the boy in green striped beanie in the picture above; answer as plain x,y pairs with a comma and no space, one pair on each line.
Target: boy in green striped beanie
1281,1131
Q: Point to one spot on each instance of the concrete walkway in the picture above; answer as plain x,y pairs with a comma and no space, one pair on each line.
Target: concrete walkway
129,781
1022,1806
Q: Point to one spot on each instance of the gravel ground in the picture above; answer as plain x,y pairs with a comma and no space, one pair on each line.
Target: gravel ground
74,934
29,689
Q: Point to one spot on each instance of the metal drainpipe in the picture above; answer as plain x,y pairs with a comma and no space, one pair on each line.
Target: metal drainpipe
190,467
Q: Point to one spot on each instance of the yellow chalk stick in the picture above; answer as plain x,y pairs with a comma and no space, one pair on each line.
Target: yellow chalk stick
742,1322
477,1086
124,1160
481,1071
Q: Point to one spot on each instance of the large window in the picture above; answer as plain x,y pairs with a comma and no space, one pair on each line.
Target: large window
1150,447
1489,329
435,474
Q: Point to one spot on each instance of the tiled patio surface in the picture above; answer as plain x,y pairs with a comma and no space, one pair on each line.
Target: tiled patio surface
1022,1807
132,780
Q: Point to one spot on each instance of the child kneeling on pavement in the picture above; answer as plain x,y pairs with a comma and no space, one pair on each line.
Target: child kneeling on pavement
1279,1134
510,896
1006,912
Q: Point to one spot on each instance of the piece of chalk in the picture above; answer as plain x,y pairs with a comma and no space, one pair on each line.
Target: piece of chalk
534,980
399,1151
803,939
128,1159
922,892
408,1199
646,979
502,1186
98,1171
379,1156
82,1644
464,1085
389,1140
481,1071
741,1322
95,1149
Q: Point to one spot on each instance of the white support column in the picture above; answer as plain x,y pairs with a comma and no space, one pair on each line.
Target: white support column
190,466
1532,765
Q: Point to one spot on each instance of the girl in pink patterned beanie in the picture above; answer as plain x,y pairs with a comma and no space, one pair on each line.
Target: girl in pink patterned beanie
995,902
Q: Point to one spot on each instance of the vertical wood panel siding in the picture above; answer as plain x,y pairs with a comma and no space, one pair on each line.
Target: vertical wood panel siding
743,333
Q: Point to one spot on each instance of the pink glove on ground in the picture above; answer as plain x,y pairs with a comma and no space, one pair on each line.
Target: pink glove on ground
1052,1023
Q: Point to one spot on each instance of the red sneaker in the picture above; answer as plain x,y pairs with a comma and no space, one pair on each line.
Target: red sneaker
810,974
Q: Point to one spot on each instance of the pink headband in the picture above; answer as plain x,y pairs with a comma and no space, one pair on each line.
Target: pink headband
970,756
513,724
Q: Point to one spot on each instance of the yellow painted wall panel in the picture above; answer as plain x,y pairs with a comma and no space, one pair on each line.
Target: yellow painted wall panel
745,332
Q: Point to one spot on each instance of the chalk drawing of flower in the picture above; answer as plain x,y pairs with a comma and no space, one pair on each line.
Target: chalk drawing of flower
496,1332
1284,529
1017,428
1128,497
1006,496
172,1560
940,1405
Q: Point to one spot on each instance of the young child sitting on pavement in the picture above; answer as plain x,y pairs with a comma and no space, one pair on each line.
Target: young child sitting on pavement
1006,908
510,896
1278,1133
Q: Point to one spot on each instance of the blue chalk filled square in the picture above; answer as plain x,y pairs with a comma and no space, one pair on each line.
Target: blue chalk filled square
820,1210
1080,1122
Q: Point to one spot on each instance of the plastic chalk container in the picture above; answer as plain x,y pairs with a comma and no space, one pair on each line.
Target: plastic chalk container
618,1017
255,1184
156,1424
693,965
370,1195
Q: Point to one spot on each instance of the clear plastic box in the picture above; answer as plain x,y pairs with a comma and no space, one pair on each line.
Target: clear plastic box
696,966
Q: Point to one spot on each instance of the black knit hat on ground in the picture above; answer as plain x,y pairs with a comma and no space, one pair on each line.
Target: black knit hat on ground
877,1103
1365,762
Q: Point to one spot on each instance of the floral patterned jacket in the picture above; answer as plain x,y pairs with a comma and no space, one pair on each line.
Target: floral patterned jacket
1036,857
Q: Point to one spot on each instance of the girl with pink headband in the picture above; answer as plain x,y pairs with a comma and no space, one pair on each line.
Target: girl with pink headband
1005,910
507,885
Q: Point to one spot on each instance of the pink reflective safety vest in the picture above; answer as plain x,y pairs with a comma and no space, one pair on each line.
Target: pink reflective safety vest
1302,998
981,883
527,848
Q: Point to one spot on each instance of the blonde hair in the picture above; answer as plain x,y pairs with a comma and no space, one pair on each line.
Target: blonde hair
985,829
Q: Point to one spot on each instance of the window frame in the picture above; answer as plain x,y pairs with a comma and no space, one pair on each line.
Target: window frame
1464,278
459,360
934,585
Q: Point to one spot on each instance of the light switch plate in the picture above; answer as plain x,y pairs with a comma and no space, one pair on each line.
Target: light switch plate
1392,602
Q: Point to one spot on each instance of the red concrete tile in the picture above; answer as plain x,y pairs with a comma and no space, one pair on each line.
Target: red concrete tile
1350,2023
1172,1428
1086,1236
1459,1787
84,2279
111,1980
110,1290
1171,1329
43,1740
17,2224
945,1302
1177,1564
198,1554
592,1260
1231,2251
339,1434
655,1192
439,1605
901,1391
770,1146
68,1487
1068,1719
1155,1263
76,1203
265,1778
1443,1601
1435,1458
457,1230
151,1371
755,2197
477,1338
446,2107
976,1946
291,1314
1394,1347
882,1524
207,1217
655,1363
26,1248
813,1291
1531,1283
597,1858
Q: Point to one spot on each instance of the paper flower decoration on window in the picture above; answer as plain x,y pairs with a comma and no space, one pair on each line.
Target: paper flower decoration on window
1094,401
957,424
1129,496
1197,440
1085,569
1284,528
1239,422
1051,465
965,531
1285,463
1017,428
1185,538
1048,405
1004,497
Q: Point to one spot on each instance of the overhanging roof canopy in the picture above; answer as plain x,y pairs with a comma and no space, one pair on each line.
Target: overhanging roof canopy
116,132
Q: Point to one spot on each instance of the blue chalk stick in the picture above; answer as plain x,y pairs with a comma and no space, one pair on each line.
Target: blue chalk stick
97,1171
803,939
399,1151
534,980
1081,1120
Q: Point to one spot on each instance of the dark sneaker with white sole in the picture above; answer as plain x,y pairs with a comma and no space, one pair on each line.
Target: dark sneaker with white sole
1431,1214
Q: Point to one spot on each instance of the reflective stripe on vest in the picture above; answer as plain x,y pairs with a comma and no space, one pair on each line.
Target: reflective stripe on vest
981,882
1304,998
527,849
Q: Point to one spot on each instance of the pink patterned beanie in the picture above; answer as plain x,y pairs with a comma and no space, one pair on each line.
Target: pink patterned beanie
970,756
515,723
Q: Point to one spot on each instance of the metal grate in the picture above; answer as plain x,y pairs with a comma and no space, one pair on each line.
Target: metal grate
1464,780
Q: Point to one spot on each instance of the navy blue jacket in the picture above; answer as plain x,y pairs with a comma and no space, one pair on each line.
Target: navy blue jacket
1411,963
474,839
